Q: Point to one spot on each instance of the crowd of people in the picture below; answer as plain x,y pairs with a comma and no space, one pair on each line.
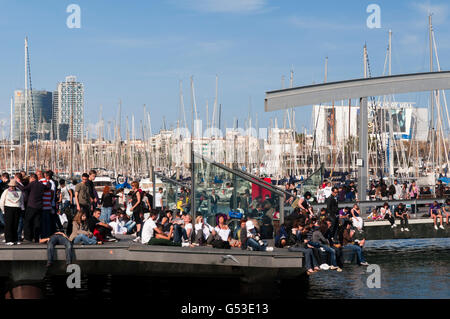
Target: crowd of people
38,208
380,191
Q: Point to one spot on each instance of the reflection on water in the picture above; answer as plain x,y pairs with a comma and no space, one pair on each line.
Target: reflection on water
410,268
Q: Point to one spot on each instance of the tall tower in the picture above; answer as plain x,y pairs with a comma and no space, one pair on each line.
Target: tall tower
39,118
70,108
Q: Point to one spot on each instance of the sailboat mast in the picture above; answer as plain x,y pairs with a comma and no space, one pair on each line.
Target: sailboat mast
26,104
431,96
11,137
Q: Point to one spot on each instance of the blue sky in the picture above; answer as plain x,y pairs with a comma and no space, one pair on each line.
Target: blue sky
138,51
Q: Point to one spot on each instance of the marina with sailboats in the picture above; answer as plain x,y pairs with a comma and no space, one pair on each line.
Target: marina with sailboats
263,204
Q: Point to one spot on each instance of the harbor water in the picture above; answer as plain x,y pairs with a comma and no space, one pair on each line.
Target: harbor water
409,268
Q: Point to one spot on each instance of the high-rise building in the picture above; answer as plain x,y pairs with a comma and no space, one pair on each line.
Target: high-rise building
69,109
55,115
39,115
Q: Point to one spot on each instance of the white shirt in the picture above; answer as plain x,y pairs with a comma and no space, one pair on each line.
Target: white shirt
327,191
65,194
398,191
158,199
249,225
148,230
72,187
207,229
63,218
223,233
117,228
188,226
53,188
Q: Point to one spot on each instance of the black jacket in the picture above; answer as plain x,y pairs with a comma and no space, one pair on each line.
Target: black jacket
332,206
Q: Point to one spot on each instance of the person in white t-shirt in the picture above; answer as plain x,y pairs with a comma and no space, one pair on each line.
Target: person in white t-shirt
159,200
224,233
65,197
149,228
204,233
327,190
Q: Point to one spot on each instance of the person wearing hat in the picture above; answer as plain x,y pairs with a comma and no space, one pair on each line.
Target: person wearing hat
11,203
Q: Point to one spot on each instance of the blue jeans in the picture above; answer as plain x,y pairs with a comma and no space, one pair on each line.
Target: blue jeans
251,242
106,214
129,226
310,260
332,253
358,250
85,240
178,233
20,227
2,218
48,223
59,240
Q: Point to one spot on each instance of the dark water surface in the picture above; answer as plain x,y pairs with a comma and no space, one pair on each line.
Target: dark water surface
410,268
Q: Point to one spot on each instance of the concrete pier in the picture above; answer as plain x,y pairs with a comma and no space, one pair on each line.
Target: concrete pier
134,259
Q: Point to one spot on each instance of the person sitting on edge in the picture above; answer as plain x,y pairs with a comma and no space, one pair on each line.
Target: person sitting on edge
57,238
446,209
302,245
323,243
374,215
204,233
435,213
402,214
117,227
344,215
80,231
348,242
356,217
126,222
153,234
254,241
224,233
385,211
100,230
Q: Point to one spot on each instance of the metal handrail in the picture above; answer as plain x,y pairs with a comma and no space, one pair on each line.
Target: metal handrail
240,174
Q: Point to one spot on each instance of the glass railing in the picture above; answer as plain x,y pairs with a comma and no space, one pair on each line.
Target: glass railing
220,189
174,194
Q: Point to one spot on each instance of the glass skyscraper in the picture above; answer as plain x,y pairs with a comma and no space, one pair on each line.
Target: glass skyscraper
70,107
39,115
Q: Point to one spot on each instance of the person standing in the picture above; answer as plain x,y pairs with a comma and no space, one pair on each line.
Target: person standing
11,202
333,211
214,199
92,192
398,190
158,200
107,204
32,223
413,194
82,195
136,208
21,185
3,186
48,226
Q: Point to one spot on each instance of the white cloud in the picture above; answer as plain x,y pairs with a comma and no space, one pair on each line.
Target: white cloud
225,6
439,11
